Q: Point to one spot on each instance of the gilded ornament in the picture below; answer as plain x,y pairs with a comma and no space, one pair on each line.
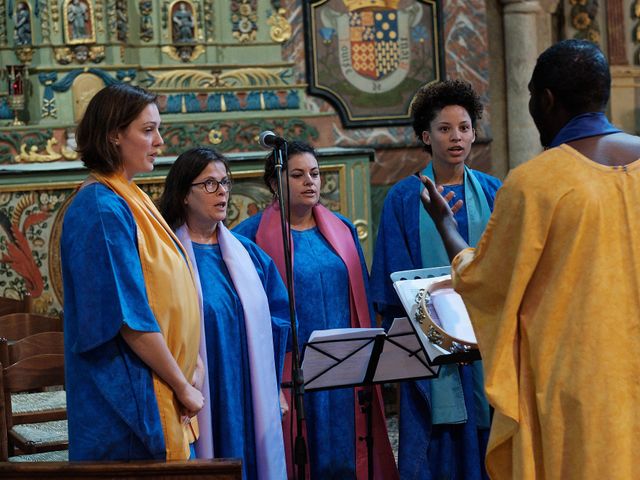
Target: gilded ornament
280,27
49,155
244,20
55,14
186,79
581,21
362,228
215,136
353,5
25,54
99,16
184,53
79,54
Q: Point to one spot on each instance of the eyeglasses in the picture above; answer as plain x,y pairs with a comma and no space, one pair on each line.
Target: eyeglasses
211,185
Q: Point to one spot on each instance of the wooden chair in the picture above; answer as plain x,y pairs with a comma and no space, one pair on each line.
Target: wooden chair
33,373
15,326
218,469
10,305
41,406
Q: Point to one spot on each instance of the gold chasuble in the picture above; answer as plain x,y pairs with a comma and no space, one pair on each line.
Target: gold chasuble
174,302
553,292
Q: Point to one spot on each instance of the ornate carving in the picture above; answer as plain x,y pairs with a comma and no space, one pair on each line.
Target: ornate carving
3,27
584,19
184,53
22,24
244,20
49,155
99,6
55,15
146,20
112,20
236,135
215,137
25,54
362,227
209,20
184,22
122,20
79,54
10,142
79,22
253,77
241,78
45,22
185,79
280,30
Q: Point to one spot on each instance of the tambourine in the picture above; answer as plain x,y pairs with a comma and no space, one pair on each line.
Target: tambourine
453,332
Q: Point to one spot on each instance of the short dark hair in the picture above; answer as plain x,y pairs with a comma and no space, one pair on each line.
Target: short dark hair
181,175
110,110
293,148
433,97
577,73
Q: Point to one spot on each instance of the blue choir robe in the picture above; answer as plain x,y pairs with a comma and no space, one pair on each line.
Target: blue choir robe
227,355
427,451
111,404
322,302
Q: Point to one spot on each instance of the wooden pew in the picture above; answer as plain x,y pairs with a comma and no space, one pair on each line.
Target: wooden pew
219,469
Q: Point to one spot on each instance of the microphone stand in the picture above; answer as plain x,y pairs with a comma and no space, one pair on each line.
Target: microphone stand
297,377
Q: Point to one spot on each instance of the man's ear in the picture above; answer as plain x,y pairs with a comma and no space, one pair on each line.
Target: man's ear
548,101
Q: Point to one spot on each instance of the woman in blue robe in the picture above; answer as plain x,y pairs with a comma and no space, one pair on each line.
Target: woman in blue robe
245,315
118,334
323,281
444,422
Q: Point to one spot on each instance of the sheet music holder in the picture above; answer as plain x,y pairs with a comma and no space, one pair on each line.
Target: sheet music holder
407,285
362,357
350,357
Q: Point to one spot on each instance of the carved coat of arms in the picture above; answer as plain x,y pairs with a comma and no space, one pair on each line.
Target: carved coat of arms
374,42
368,57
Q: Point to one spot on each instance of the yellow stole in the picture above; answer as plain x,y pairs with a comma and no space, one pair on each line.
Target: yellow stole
174,301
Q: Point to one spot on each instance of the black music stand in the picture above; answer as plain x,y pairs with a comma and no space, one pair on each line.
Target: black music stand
363,357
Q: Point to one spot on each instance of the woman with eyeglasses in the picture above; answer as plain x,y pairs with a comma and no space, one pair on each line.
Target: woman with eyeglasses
244,312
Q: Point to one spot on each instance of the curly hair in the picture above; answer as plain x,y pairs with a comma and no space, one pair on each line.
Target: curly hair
433,97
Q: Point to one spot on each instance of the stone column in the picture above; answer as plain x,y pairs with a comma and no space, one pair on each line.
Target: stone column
521,51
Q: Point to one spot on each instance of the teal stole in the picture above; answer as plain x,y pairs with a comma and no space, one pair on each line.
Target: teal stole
447,401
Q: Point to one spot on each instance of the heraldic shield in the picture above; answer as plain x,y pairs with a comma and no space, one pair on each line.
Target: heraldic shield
373,35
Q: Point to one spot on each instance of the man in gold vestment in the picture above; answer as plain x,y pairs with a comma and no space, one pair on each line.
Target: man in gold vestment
553,287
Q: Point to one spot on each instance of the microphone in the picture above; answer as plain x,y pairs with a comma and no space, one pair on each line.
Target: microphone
268,139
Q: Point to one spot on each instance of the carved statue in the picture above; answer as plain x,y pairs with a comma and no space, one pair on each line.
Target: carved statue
23,24
183,26
77,16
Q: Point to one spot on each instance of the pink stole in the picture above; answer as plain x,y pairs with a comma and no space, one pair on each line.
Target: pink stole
269,238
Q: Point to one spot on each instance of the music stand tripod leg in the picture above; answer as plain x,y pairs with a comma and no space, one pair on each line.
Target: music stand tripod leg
365,397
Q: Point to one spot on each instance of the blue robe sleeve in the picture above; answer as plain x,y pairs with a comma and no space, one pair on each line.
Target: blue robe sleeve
490,186
397,246
100,257
249,227
278,301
